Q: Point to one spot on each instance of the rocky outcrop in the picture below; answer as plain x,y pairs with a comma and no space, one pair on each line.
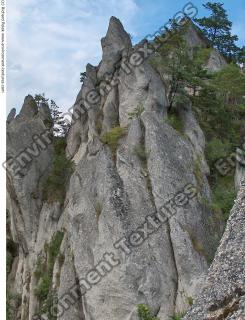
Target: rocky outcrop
29,155
240,164
151,164
11,115
135,225
29,158
115,45
223,295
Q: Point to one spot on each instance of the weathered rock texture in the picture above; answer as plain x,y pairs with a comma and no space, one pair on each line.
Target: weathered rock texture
223,295
240,166
111,192
29,155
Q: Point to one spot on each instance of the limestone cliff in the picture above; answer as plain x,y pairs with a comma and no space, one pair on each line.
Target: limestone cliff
132,227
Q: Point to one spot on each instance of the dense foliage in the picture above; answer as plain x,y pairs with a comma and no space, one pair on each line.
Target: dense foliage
58,122
217,98
44,274
217,28
54,187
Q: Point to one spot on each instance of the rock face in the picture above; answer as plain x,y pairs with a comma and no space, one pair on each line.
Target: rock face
223,295
194,37
240,165
135,227
115,44
29,157
11,115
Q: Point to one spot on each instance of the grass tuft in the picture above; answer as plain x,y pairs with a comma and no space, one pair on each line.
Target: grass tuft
145,313
112,137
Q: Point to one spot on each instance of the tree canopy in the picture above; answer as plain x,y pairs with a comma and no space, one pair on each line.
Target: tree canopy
218,29
61,126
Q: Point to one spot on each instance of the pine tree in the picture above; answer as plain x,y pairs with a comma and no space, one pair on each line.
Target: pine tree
61,127
83,76
40,98
184,66
217,28
229,83
240,57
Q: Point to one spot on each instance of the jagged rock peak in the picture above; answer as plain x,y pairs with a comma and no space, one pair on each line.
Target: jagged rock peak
116,42
91,72
117,32
29,108
11,115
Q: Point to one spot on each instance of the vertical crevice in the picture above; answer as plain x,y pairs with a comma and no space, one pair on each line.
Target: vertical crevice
144,161
174,262
79,293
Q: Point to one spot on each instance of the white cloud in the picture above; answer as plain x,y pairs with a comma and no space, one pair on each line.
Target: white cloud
50,42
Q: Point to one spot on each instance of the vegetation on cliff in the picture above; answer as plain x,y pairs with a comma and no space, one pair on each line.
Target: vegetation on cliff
217,97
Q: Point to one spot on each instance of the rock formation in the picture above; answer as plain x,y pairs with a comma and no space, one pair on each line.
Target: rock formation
134,226
223,295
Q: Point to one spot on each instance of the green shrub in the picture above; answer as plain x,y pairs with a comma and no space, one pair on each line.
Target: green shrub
216,149
54,249
174,121
54,187
217,212
190,301
98,209
178,316
13,301
197,245
217,119
144,313
44,271
112,137
141,152
40,267
221,125
224,194
49,304
43,287
137,112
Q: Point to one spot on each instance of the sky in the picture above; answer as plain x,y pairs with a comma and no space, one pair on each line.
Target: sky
49,42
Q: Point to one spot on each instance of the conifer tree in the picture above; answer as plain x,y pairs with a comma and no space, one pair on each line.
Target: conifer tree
217,28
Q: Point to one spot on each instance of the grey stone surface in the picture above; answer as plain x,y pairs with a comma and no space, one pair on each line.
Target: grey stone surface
24,194
141,88
44,112
29,108
33,160
11,115
195,134
240,168
215,62
110,194
116,43
223,294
